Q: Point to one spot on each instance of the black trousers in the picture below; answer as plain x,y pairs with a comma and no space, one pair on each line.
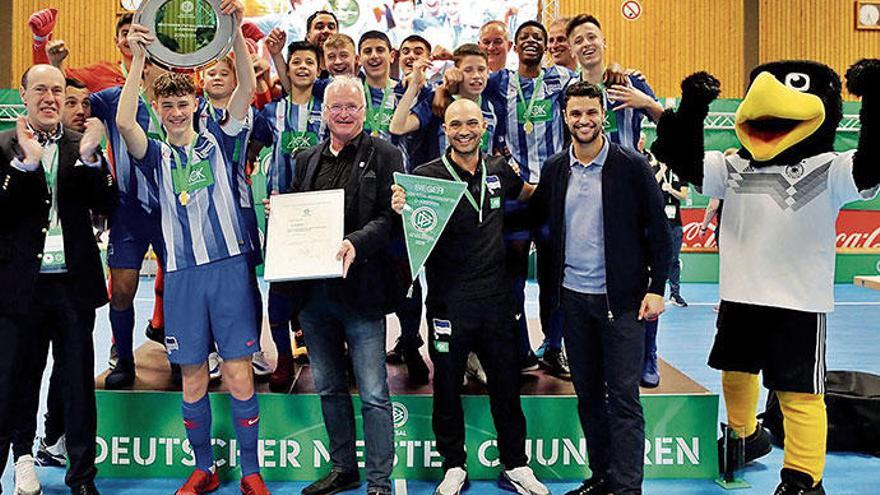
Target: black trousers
54,316
606,365
26,430
486,327
409,313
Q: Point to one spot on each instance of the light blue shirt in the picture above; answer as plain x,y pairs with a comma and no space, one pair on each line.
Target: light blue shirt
584,269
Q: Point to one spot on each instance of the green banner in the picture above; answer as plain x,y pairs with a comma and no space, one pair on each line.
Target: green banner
429,204
141,435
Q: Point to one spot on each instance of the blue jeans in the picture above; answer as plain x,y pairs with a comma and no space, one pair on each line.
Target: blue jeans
328,326
675,263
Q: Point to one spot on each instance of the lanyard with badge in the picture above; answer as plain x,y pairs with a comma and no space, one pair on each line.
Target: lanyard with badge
467,192
378,119
154,119
53,248
534,110
190,177
297,140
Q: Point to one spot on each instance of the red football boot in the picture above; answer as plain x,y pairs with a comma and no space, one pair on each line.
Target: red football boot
253,484
200,482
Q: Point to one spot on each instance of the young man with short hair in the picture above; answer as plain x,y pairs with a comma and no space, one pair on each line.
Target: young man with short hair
340,55
469,76
218,84
77,107
528,102
412,49
609,277
289,125
626,106
376,56
134,227
209,298
320,26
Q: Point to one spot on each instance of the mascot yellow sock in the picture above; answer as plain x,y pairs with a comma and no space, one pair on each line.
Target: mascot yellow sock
741,398
806,429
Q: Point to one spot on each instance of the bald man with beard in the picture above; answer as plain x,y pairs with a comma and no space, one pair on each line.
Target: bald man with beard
469,305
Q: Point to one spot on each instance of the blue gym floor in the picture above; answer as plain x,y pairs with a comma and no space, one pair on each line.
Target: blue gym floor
685,338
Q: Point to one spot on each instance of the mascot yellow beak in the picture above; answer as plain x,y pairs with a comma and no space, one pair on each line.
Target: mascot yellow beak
774,117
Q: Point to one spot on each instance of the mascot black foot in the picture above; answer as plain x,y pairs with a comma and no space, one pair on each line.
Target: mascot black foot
782,192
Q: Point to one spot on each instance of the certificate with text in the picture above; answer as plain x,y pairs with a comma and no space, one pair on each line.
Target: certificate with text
303,235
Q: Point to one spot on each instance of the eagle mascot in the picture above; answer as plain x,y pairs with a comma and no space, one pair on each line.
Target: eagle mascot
782,192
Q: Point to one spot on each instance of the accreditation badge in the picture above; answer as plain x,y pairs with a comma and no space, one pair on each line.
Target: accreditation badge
609,125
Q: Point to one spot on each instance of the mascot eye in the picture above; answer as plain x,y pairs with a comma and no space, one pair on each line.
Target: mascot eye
798,81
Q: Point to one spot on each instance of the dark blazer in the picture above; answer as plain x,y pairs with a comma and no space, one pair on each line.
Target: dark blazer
24,203
371,286
638,247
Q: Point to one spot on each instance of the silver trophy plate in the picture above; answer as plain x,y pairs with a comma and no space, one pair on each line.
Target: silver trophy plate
190,34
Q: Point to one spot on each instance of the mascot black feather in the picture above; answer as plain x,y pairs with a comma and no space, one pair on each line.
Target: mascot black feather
782,192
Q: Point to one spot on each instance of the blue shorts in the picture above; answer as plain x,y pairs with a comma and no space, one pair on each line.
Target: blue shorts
132,230
208,304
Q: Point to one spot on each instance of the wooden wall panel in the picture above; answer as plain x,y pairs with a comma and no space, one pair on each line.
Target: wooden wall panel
821,30
5,43
673,39
87,26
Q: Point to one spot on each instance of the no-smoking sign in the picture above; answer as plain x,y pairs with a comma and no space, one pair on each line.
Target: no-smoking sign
631,10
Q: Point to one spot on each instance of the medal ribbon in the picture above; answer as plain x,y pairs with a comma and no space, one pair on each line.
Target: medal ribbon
533,99
184,169
389,88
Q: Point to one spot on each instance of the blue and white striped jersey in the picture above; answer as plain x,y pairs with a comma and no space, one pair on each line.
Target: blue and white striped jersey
243,194
134,187
629,120
209,226
547,137
289,128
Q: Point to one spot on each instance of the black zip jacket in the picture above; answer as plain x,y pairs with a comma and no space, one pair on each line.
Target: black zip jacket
638,247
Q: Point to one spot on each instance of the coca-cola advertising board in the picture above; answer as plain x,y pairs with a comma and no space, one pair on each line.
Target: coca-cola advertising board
858,232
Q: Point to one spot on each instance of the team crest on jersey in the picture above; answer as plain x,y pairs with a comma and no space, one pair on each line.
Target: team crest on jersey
493,183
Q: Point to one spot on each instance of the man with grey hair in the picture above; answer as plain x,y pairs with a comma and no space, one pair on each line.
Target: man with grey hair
350,311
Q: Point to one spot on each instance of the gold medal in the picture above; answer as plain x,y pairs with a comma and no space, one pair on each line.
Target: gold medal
375,133
528,127
183,198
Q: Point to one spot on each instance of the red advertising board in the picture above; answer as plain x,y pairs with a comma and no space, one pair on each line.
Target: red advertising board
858,231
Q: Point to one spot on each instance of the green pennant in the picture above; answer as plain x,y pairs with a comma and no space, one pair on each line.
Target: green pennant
429,204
